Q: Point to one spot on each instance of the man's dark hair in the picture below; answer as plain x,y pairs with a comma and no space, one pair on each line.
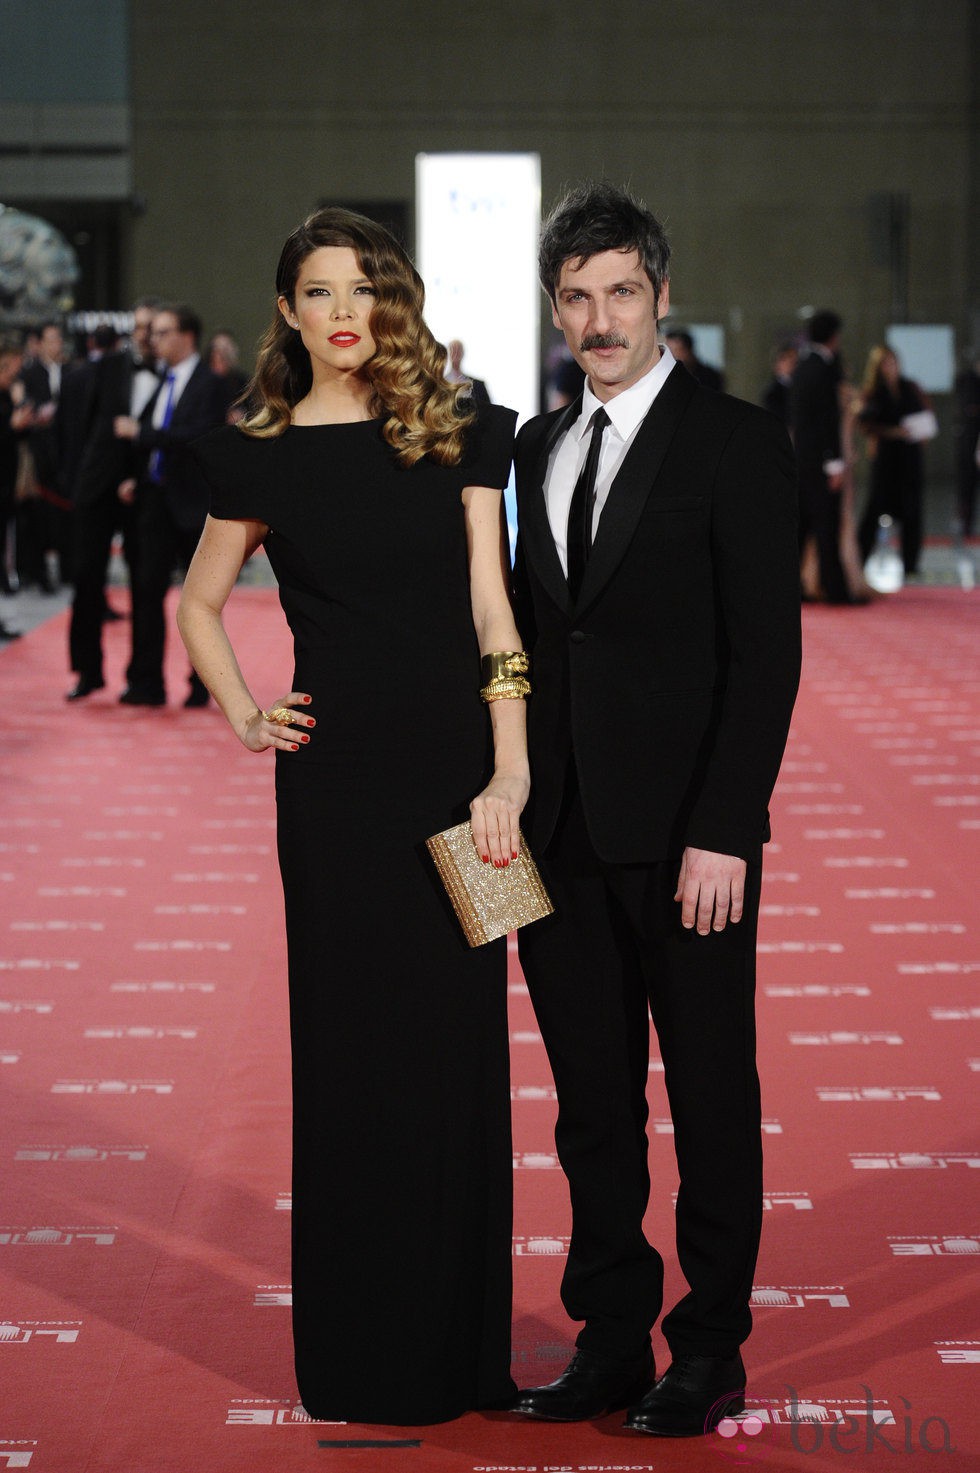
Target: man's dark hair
823,326
682,335
187,319
105,338
596,217
153,303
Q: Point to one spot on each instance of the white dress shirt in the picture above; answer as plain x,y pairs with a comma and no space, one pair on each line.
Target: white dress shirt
626,412
181,374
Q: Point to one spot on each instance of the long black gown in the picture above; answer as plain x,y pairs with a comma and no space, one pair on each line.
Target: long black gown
402,1165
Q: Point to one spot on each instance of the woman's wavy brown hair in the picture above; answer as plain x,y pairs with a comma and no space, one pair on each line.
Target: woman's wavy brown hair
407,372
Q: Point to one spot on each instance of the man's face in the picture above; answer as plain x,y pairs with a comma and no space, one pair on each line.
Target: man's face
169,343
52,344
607,309
142,323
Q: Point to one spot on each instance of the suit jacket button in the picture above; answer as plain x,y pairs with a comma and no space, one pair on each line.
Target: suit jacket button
578,636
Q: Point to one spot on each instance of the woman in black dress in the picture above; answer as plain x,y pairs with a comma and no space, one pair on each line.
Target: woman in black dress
377,493
895,490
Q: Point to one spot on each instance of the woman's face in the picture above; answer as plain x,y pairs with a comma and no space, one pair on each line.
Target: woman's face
889,369
332,306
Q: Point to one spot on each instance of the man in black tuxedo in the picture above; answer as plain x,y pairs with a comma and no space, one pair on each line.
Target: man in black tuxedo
657,588
120,384
815,422
170,495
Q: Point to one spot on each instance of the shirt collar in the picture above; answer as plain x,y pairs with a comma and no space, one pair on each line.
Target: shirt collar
183,371
627,409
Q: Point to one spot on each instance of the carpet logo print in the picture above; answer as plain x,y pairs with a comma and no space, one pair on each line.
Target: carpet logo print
790,910
37,964
22,1332
541,1247
820,989
839,1038
14,1453
890,892
200,910
843,834
923,1247
229,849
112,1086
103,836
244,1413
663,1125
877,1093
273,1296
57,926
798,1296
865,861
141,1033
535,1161
771,1201
21,1005
800,948
52,1237
6,1057
84,1154
83,892
938,969
954,1015
912,1161
826,810
525,1035
103,861
958,1352
207,987
968,800
182,945
284,1201
918,928
533,1092
213,877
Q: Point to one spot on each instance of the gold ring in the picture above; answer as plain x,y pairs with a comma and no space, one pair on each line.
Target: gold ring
279,716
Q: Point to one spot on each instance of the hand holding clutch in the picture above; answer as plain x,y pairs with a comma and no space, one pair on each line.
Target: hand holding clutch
488,901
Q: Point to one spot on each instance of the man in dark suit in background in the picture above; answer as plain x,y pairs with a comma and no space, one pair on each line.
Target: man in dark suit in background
681,345
658,591
775,396
121,384
815,422
455,373
170,495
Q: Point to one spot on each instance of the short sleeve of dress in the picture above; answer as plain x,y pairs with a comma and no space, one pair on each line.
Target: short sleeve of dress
490,447
234,467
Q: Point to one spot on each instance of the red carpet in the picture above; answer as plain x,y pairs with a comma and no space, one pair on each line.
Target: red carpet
143,1055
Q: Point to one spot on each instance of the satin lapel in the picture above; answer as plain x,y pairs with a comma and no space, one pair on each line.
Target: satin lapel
634,481
535,529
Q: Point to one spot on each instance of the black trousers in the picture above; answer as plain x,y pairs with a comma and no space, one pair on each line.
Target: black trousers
614,953
95,525
162,545
820,517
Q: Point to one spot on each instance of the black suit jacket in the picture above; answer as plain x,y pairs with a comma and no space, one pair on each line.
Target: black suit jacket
814,410
44,438
106,461
201,407
672,678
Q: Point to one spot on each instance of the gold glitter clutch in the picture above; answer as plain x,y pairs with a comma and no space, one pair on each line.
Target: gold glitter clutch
489,902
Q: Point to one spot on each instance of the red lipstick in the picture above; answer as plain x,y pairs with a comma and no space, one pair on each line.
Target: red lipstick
344,339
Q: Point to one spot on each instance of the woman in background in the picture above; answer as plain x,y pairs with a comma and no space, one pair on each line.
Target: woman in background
378,498
887,399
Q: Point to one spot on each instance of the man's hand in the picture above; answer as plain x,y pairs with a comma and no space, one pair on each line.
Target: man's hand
126,491
711,889
124,427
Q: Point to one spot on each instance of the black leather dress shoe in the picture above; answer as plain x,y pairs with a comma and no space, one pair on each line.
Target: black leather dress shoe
589,1387
691,1397
134,696
84,688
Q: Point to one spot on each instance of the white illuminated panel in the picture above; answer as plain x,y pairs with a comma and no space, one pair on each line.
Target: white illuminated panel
478,216
926,354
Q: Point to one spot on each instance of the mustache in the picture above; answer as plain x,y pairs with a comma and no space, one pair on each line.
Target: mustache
604,340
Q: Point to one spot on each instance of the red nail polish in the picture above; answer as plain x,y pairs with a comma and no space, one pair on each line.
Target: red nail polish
514,854
307,699
293,747
486,859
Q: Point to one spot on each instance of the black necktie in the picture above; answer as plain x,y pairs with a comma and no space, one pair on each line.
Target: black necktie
579,542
